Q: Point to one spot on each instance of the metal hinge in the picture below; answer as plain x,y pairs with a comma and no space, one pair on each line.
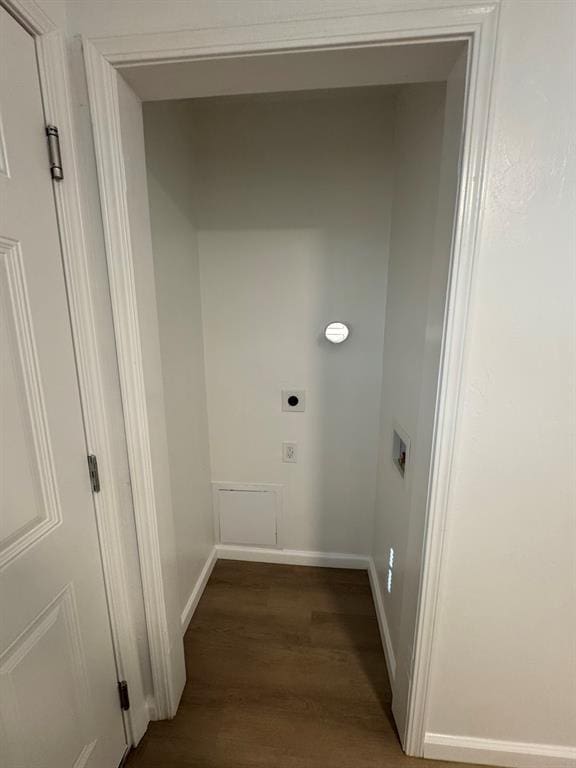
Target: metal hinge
123,694
93,472
54,155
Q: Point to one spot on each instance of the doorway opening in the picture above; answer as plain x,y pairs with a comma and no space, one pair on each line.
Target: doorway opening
273,215
240,378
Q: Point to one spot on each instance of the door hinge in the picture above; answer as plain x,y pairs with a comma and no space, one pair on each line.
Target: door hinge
93,472
123,694
54,155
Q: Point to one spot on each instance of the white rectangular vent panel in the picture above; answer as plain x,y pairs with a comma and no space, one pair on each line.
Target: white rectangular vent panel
248,516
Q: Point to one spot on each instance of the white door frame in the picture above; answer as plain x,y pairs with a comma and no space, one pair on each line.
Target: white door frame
475,23
54,83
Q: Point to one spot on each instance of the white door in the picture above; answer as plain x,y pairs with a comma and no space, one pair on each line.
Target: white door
59,704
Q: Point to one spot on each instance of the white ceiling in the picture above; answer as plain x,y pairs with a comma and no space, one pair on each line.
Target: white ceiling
294,71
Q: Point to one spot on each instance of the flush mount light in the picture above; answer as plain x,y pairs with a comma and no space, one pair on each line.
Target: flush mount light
336,332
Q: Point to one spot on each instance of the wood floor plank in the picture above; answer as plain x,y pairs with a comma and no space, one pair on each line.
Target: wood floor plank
285,669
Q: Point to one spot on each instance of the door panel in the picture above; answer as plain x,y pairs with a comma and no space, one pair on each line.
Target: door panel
59,705
48,656
30,506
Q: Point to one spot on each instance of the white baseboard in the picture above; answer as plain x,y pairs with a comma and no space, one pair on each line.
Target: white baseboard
292,557
196,593
382,621
510,754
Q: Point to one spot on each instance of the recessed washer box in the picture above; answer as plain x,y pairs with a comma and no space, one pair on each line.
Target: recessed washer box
293,400
400,449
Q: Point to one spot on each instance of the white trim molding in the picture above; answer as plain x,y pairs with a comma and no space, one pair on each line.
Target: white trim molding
29,14
477,127
474,22
103,93
382,620
56,98
425,24
198,590
292,557
510,754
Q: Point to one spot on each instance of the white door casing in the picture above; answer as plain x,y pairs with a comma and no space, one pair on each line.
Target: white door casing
58,689
473,22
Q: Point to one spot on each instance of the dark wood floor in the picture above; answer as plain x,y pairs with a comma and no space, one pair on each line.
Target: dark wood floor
285,670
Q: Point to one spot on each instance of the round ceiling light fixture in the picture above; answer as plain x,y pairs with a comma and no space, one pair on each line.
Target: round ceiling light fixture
337,332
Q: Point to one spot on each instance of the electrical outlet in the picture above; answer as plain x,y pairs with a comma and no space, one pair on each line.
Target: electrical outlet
289,453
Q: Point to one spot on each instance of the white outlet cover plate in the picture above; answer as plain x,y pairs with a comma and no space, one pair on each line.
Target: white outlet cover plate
300,394
289,453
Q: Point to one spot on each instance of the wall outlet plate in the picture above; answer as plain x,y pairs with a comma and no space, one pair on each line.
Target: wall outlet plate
289,453
293,400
